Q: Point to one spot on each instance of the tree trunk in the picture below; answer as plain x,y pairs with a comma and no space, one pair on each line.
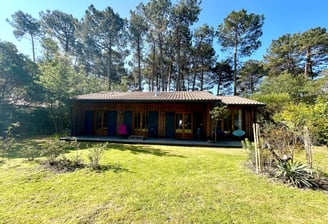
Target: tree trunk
235,71
202,76
178,84
33,48
194,79
219,84
161,61
308,64
154,65
139,64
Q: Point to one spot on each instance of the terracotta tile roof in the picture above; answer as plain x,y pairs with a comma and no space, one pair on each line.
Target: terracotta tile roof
237,100
180,96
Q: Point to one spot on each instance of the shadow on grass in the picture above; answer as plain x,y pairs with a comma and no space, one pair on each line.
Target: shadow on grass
114,168
138,149
17,150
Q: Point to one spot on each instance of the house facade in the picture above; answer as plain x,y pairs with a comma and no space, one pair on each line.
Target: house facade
172,115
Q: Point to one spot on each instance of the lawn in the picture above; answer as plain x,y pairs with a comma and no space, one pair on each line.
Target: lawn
155,184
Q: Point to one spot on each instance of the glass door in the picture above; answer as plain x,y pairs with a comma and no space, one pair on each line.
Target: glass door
183,125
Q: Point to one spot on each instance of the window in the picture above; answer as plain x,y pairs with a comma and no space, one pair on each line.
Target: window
102,120
237,120
232,121
140,120
183,123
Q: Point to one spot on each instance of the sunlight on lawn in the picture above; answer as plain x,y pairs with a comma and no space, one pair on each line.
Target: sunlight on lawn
154,184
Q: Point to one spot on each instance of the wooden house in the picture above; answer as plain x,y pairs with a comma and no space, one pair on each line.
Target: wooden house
178,115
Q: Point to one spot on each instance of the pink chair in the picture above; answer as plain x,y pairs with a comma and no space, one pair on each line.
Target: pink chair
122,130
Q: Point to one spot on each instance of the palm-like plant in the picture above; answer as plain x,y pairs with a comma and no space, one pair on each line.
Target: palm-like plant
295,173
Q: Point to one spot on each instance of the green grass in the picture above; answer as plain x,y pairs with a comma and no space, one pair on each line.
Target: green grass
155,184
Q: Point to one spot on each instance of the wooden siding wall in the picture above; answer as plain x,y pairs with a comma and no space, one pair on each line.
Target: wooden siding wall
79,110
79,114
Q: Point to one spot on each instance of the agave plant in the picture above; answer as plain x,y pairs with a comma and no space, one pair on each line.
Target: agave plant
295,173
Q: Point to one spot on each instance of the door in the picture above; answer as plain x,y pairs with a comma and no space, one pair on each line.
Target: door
183,125
153,124
169,124
112,123
127,120
88,122
198,126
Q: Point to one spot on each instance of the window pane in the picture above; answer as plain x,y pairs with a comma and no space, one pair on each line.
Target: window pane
99,117
137,117
179,121
187,121
145,120
105,120
228,122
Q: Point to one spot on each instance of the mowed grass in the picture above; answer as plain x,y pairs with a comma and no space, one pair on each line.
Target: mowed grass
155,184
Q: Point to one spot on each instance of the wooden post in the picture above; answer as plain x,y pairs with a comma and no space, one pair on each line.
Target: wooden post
256,147
308,148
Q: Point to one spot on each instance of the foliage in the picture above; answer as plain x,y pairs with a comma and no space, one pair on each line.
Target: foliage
15,74
266,158
95,154
138,29
183,15
280,139
274,103
295,173
319,121
61,26
167,52
222,76
251,74
203,55
53,149
218,113
250,149
104,30
294,116
56,160
241,32
298,53
285,83
30,152
312,47
25,24
5,148
8,142
281,57
314,117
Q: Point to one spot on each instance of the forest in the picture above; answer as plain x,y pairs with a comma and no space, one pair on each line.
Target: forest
158,48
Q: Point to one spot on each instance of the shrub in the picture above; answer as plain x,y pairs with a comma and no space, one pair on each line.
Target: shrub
53,149
56,160
295,173
77,159
266,157
30,152
7,145
95,155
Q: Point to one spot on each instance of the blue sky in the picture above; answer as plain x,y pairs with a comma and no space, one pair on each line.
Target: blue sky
281,16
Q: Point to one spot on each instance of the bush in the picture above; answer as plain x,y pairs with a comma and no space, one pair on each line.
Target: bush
266,157
295,173
95,155
30,152
64,165
53,149
7,144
